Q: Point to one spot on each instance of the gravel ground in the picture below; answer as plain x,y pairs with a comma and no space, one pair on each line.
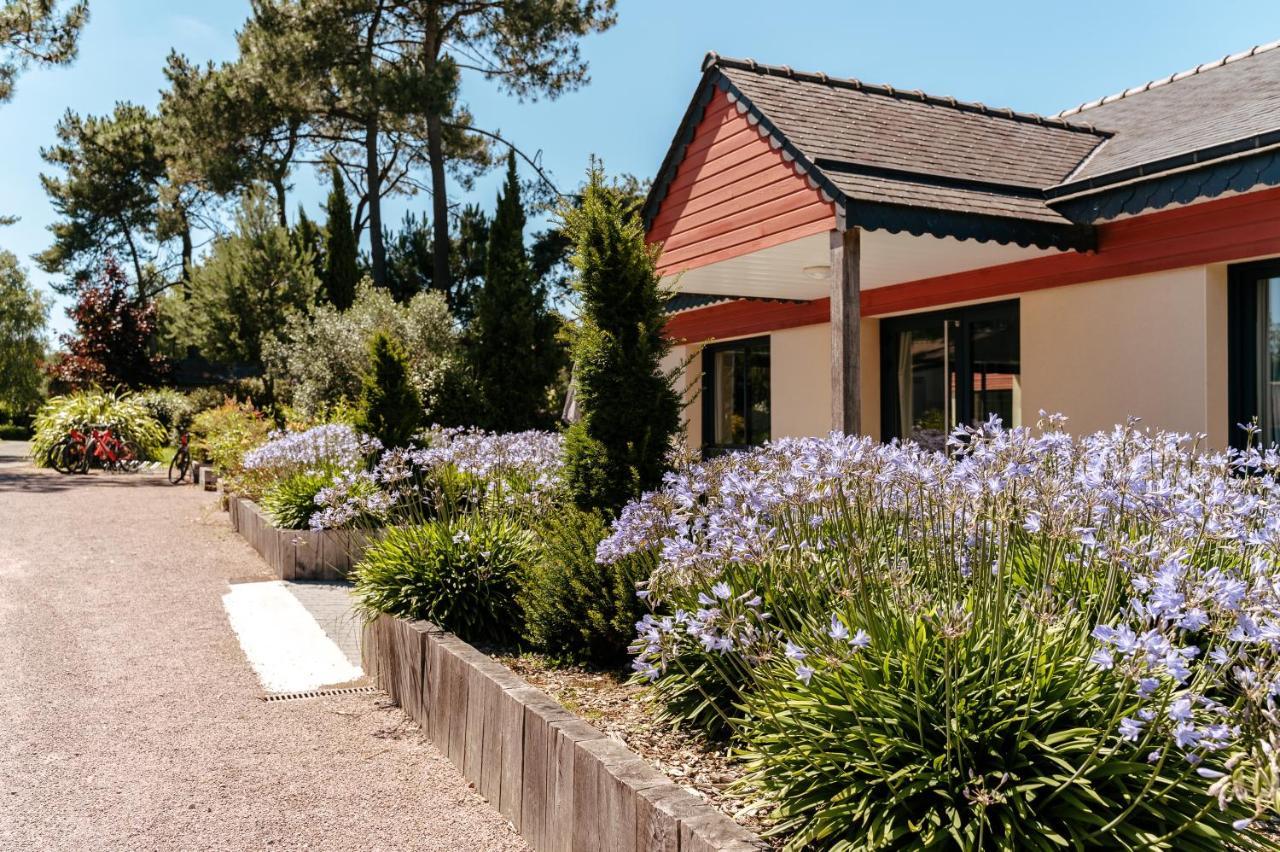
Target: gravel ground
129,719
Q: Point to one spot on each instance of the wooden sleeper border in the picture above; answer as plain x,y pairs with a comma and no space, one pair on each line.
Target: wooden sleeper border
565,786
297,554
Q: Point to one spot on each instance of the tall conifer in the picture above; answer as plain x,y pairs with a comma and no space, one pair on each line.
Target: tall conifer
340,269
514,352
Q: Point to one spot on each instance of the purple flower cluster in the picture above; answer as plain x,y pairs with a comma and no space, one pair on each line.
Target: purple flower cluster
331,445
516,471
1183,543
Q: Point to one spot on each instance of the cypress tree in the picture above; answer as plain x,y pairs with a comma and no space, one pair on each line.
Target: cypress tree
514,353
629,408
340,270
390,408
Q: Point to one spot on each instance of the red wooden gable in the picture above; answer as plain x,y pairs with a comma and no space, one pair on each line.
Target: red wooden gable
733,194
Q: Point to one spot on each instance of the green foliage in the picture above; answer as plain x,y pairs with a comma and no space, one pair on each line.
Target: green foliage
124,414
390,409
108,198
930,742
320,359
462,574
576,608
291,501
172,409
629,409
22,345
224,434
513,350
241,296
340,272
36,32
14,432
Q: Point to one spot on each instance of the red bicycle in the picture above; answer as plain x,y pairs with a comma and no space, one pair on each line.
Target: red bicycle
181,461
98,445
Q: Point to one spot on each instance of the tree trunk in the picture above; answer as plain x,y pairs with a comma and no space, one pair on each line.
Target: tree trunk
277,187
440,279
188,257
373,176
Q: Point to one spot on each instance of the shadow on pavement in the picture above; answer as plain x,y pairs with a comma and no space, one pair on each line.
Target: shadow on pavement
17,473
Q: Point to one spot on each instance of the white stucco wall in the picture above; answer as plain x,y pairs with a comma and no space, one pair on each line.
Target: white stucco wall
1153,346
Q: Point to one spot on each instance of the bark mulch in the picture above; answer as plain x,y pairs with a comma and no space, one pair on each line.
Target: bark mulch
623,710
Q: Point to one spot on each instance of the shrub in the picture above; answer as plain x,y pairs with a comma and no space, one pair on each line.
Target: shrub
1038,641
291,501
224,434
629,409
462,574
14,432
127,417
390,409
172,409
320,359
576,608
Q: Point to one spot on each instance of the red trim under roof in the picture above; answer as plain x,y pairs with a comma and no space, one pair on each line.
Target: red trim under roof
1226,229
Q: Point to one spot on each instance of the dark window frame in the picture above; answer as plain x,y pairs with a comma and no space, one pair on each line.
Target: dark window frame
709,395
891,327
1244,319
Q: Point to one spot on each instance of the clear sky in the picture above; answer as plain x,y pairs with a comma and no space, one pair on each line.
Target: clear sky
1032,56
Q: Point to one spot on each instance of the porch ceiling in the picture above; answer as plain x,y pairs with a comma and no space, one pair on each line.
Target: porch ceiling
887,258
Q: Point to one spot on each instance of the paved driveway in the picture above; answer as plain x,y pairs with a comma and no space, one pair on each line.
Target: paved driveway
129,718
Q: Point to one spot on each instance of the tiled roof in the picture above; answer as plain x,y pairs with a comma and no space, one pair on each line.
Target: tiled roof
852,122
904,160
1233,99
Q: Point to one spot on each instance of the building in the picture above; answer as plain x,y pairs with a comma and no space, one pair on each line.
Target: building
863,258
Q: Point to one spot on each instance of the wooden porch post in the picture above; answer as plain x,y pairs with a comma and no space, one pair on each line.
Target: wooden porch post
846,320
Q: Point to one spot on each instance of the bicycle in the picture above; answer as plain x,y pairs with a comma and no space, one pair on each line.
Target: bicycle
77,451
181,462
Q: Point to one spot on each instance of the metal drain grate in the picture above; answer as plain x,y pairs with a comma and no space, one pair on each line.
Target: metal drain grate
320,693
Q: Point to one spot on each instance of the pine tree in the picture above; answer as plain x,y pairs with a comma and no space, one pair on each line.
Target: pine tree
390,408
308,236
514,352
340,270
629,409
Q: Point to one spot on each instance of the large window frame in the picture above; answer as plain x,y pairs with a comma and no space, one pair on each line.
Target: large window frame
750,347
1247,310
963,319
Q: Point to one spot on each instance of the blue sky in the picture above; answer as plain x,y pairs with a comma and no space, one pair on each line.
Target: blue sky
1037,57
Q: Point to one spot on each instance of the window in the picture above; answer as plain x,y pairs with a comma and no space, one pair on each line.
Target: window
735,393
1254,350
948,367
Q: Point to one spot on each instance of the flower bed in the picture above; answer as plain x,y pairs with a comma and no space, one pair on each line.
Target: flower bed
1040,637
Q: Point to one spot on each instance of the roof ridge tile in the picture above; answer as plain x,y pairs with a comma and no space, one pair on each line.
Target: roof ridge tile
1171,78
715,60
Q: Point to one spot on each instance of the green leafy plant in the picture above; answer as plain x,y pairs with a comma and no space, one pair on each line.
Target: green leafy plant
463,575
224,434
390,409
290,502
172,409
576,608
124,414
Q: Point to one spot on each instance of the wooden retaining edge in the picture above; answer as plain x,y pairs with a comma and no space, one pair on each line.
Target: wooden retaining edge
565,786
297,554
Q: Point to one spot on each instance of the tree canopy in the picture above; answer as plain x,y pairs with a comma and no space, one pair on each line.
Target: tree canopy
22,346
37,32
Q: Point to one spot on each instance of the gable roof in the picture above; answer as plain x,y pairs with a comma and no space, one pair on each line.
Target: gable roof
904,160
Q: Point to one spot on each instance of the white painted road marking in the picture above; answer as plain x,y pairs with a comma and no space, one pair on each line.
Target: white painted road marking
283,643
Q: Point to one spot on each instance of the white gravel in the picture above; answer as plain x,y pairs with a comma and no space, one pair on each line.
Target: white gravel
130,719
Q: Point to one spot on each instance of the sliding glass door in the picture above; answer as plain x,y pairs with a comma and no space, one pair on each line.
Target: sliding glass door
948,367
1254,351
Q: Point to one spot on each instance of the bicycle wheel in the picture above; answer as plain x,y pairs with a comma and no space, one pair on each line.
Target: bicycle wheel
61,457
129,458
179,466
